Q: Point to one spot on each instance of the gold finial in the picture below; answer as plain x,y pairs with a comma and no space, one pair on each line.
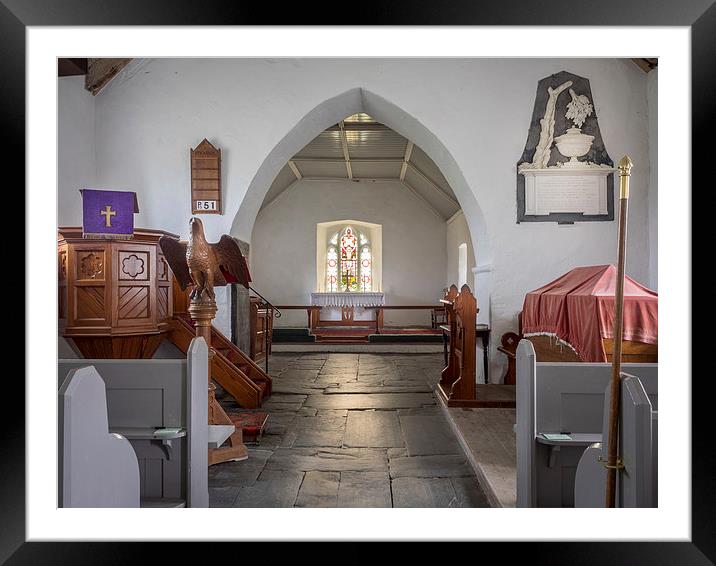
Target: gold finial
625,165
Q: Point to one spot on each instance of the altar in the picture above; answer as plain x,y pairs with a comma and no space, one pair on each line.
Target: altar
345,308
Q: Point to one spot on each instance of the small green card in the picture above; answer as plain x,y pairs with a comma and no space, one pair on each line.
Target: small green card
167,431
556,436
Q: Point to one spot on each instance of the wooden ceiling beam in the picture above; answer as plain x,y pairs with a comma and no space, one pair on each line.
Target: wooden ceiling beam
646,64
359,127
71,67
432,184
295,170
406,159
344,145
351,160
101,71
425,201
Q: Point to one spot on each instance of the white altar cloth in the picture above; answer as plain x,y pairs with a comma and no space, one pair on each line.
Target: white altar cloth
348,299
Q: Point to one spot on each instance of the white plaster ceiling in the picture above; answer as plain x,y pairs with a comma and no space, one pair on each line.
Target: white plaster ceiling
363,150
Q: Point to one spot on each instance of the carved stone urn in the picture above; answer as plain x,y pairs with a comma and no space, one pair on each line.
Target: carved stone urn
574,144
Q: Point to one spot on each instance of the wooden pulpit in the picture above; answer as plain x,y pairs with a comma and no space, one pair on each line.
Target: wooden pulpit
114,296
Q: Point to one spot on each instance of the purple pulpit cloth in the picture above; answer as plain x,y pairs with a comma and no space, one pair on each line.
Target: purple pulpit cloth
108,214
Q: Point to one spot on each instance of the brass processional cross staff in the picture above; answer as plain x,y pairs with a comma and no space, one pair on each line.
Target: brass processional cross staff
613,462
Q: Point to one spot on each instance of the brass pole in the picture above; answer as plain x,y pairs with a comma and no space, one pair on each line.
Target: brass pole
625,165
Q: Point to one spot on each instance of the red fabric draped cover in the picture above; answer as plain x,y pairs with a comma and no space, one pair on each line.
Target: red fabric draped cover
578,308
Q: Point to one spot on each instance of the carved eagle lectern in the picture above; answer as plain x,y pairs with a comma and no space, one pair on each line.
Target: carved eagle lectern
204,265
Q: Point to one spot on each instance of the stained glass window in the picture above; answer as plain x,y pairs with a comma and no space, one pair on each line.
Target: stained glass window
349,262
366,272
332,269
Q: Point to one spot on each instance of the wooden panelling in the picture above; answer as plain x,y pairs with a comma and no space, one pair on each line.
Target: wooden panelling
133,302
164,289
162,268
260,329
119,347
62,287
90,304
134,266
90,264
163,302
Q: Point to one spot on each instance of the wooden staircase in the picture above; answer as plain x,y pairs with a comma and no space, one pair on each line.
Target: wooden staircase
233,370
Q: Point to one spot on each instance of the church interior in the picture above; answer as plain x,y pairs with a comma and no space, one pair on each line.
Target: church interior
357,283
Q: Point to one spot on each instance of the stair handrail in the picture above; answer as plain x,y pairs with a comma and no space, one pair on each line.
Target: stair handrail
276,312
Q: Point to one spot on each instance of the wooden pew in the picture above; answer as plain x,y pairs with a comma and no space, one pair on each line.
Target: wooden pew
160,407
556,398
457,382
457,386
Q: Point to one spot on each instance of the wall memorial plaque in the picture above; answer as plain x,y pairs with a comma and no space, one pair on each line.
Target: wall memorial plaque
205,179
568,177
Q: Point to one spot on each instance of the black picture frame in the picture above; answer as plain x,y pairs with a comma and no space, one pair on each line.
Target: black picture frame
17,15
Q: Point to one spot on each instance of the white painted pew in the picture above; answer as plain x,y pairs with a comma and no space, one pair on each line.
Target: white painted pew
560,398
637,481
145,401
96,468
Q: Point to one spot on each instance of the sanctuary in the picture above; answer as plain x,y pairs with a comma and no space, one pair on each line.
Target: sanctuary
358,291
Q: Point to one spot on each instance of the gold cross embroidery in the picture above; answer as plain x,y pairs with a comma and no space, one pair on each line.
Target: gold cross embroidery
108,213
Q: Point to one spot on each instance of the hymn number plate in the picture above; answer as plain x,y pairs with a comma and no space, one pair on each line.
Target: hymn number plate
205,206
206,179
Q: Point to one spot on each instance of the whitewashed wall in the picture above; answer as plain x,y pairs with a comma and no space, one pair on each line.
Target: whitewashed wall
283,244
76,147
458,233
477,112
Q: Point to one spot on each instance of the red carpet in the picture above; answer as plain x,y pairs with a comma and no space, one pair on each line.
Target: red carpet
251,423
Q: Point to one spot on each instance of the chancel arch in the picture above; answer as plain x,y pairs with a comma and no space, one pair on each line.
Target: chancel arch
329,115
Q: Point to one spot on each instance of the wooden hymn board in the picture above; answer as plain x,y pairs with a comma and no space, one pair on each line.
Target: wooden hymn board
205,179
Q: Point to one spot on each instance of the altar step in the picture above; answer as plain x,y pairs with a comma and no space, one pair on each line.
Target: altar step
291,335
347,335
342,339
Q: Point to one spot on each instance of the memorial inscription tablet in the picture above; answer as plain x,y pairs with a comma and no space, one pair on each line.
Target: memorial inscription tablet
548,192
565,173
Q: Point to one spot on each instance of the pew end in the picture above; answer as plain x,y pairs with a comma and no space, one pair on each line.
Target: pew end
553,398
160,409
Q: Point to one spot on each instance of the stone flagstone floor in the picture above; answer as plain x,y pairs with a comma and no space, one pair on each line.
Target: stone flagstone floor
350,430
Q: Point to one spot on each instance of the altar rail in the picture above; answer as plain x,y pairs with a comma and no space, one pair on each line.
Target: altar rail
313,313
